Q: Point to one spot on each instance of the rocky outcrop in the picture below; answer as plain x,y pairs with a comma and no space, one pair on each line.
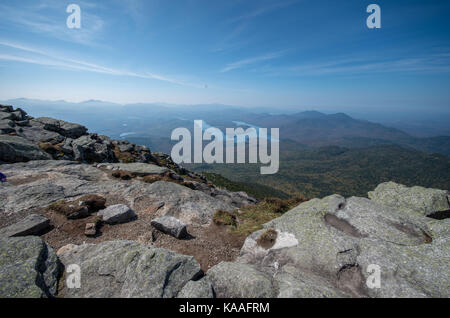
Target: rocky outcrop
128,269
61,140
23,138
418,200
58,169
29,268
37,184
93,148
62,127
328,248
238,199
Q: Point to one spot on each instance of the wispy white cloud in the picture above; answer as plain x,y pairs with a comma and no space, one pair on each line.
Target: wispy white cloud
249,61
227,41
44,58
434,63
53,22
242,22
430,63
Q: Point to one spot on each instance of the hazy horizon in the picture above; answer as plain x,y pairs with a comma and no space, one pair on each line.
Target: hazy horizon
420,124
360,112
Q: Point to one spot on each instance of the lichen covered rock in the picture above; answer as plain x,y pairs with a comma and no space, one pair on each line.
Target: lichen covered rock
129,269
29,268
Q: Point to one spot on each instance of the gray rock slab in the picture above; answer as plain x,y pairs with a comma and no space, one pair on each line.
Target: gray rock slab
171,226
118,213
31,225
128,269
18,149
29,268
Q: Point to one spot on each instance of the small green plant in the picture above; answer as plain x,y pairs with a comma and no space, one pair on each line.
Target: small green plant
222,217
254,216
98,222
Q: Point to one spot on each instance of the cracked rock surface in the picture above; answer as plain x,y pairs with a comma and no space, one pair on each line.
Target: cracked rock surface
128,269
336,242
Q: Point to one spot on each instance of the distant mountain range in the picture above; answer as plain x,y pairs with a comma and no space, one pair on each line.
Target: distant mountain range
316,129
153,123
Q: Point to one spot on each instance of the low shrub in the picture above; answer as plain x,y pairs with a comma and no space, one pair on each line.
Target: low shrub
254,216
222,217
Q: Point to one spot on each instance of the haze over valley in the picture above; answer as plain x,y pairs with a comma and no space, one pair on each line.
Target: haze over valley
320,153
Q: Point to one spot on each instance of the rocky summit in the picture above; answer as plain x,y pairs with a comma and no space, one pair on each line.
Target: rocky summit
135,224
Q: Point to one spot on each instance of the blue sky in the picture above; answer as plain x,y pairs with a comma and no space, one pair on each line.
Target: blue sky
285,53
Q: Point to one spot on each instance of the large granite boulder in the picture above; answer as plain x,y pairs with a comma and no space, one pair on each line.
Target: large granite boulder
421,200
40,183
18,149
129,269
29,268
183,203
329,248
